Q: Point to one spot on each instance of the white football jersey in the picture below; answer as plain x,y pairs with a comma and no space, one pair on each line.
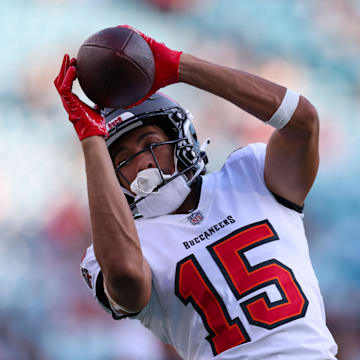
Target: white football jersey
233,279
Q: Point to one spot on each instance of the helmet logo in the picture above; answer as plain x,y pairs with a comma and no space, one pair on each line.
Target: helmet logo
118,120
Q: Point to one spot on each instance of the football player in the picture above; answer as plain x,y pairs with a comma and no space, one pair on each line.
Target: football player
217,264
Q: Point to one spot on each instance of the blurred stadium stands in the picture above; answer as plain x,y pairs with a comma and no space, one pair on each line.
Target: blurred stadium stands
313,47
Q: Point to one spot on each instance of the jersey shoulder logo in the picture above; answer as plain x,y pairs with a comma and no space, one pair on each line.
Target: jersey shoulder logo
87,277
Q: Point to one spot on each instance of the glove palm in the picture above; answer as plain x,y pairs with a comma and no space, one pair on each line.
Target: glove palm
86,120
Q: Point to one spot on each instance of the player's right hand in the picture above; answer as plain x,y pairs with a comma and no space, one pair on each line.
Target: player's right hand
86,120
166,64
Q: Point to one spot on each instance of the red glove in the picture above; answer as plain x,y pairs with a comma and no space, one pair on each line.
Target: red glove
166,64
87,121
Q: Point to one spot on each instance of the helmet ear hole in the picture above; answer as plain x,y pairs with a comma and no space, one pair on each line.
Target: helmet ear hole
179,116
189,154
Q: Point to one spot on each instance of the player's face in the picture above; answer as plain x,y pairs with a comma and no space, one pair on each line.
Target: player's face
136,141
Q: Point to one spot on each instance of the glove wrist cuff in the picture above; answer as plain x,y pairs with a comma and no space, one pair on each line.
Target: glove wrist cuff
176,66
84,133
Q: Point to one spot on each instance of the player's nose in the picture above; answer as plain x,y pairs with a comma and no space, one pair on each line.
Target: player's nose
145,161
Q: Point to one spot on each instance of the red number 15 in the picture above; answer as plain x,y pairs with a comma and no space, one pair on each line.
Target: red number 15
192,285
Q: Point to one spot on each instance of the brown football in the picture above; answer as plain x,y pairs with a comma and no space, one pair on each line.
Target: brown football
115,67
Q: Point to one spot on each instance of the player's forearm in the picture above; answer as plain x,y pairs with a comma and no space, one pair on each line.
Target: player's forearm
115,238
251,93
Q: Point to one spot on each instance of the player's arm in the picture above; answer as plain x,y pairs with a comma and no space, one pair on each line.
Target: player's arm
292,155
126,273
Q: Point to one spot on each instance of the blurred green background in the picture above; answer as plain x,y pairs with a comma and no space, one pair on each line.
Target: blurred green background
312,47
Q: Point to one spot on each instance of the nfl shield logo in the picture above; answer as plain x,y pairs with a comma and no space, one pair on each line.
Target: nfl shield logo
196,218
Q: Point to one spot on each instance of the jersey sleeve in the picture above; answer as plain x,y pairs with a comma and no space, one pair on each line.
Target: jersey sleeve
255,151
252,157
92,275
249,158
259,151
151,316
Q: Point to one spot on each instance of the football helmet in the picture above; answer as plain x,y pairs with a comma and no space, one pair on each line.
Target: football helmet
189,157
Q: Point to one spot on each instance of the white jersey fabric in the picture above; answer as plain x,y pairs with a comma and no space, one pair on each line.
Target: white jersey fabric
232,280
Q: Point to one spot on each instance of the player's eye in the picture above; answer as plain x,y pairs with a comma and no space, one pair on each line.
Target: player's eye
152,144
121,163
124,162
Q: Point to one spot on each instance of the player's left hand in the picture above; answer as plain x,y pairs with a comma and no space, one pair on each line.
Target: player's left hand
166,64
86,120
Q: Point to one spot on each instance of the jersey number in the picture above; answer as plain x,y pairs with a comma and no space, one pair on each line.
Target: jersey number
192,285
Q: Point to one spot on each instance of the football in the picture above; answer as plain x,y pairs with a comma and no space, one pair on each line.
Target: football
115,67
